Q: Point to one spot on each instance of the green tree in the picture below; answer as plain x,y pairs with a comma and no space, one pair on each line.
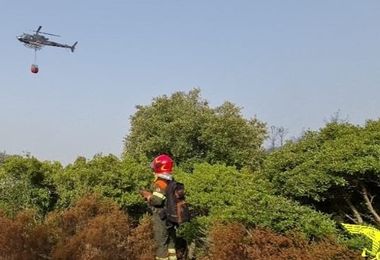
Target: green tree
25,182
106,175
336,169
184,126
218,192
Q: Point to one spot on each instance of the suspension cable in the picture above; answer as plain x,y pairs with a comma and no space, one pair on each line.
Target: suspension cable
35,56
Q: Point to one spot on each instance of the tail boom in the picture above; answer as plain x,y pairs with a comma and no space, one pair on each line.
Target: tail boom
73,46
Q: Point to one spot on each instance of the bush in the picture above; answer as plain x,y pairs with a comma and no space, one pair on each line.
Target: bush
233,241
26,182
94,228
218,192
23,238
107,175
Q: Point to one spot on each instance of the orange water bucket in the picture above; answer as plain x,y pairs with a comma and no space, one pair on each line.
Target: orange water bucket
34,68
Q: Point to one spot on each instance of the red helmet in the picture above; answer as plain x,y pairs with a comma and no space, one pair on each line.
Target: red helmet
162,164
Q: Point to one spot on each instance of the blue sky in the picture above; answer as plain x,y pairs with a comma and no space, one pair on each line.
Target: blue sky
289,63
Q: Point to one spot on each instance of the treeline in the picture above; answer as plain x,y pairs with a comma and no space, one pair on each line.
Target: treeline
285,203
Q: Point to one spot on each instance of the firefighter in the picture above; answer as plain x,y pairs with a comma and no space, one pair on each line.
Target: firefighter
164,231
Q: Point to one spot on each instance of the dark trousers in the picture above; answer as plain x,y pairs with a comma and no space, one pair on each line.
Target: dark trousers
164,236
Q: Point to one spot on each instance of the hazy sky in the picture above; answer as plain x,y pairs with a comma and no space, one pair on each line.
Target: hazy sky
290,63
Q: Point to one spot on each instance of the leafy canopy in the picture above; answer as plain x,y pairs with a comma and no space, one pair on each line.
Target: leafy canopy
25,182
338,165
184,126
218,192
106,175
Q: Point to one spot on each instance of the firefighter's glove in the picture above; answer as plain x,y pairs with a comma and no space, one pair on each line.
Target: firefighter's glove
146,194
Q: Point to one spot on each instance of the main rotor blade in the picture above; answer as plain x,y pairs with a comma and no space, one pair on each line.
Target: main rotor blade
38,31
56,35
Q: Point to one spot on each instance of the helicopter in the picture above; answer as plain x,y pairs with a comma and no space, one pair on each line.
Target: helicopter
36,41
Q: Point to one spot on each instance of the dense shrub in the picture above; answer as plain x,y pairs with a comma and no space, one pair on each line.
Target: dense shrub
233,241
335,170
140,241
107,175
227,242
25,182
94,228
23,238
218,192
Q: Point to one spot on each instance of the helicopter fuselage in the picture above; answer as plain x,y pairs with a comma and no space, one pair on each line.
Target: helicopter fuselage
36,41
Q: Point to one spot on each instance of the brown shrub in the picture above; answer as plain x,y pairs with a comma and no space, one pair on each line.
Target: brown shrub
96,229
233,241
77,217
93,228
141,241
11,239
265,244
227,242
330,250
23,237
103,237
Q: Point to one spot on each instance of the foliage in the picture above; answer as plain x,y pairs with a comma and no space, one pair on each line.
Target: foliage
94,228
227,242
184,126
339,166
234,241
217,192
108,176
26,182
22,237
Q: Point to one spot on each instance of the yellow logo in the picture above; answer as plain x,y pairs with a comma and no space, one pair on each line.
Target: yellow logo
371,233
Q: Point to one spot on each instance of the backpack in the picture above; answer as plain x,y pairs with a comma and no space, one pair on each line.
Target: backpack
177,210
